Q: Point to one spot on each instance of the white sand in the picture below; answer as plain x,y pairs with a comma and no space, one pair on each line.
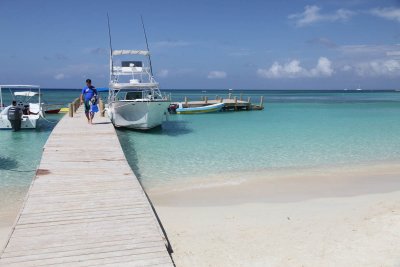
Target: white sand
352,220
11,199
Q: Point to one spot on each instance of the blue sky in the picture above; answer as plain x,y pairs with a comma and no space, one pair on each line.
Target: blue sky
206,44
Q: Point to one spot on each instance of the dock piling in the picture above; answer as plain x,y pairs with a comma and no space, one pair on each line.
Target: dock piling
71,110
101,107
236,103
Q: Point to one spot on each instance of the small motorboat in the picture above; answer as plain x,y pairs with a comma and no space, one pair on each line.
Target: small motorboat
204,109
26,109
52,108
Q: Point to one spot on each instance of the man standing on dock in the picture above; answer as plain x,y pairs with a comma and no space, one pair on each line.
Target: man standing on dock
88,92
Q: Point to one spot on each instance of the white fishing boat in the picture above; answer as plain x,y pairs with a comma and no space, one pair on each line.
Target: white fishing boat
27,109
134,99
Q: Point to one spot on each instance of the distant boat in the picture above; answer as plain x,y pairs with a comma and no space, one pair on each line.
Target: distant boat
52,111
230,89
358,88
195,110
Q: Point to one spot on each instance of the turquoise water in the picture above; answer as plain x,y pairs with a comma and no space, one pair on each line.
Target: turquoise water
296,129
20,152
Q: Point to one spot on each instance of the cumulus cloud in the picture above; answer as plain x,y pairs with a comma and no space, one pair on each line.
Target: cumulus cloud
59,76
389,13
216,74
390,67
293,69
312,15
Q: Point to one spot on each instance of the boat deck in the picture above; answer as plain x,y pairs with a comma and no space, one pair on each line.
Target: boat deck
85,206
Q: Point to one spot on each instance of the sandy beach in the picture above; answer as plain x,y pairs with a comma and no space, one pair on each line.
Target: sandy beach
11,200
341,216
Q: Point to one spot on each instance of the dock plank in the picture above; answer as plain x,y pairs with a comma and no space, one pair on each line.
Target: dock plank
85,206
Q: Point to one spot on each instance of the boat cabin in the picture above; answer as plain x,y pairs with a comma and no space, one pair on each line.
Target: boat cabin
139,95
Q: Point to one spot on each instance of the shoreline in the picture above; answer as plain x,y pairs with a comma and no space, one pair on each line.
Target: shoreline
324,217
280,185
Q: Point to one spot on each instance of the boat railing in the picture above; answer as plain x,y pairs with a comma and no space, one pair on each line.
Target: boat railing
118,70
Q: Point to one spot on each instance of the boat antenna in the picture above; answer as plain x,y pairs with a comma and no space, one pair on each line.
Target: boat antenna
109,37
147,45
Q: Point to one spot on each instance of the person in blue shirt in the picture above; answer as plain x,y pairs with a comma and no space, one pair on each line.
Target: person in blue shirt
88,93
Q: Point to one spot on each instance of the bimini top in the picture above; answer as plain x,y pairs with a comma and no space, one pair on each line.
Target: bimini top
130,52
26,93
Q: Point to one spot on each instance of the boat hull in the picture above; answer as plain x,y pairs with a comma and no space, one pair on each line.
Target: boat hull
141,115
28,122
198,110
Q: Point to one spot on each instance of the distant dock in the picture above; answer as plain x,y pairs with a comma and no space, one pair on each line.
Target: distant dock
231,103
85,206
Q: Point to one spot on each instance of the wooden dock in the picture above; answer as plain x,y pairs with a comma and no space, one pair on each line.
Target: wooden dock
85,206
231,103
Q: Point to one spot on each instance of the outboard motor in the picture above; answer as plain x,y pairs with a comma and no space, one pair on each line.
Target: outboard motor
172,108
15,117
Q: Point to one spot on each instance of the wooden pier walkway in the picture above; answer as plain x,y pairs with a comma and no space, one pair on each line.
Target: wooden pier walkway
85,206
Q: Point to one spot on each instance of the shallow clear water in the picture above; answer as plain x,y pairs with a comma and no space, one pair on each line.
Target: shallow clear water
296,129
20,152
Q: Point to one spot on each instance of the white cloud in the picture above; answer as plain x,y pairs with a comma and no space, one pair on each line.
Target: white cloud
390,67
163,73
389,13
216,74
293,69
323,68
59,76
312,15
